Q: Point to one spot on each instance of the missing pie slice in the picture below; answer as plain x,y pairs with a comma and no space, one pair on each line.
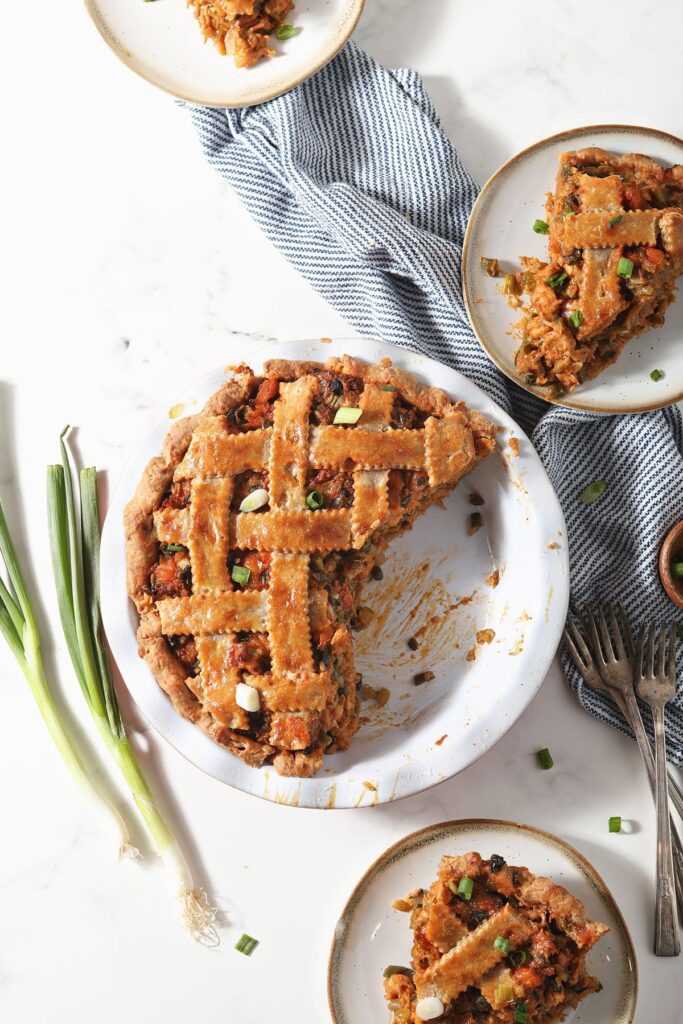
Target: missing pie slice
249,540
492,943
615,247
242,28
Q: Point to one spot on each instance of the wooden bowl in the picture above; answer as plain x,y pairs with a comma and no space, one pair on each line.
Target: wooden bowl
673,543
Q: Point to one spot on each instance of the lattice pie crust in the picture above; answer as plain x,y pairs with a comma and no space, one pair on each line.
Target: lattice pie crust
615,247
513,949
285,632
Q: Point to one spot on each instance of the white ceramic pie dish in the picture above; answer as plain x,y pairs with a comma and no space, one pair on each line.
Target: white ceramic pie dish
434,581
500,227
161,41
370,935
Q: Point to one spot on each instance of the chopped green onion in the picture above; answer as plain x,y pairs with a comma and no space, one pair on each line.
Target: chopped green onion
501,943
576,318
517,957
393,969
624,267
171,548
594,490
558,279
677,568
246,944
75,543
347,414
541,227
285,32
520,1014
315,500
656,375
615,823
510,285
490,267
240,574
503,994
387,387
255,500
544,758
465,888
615,220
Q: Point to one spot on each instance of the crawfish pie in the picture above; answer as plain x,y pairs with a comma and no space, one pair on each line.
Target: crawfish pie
250,537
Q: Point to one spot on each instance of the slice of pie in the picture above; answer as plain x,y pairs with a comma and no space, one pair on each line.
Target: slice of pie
615,247
492,943
242,28
250,538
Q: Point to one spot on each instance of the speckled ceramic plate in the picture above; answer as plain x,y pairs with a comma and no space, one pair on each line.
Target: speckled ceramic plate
370,935
437,585
162,42
500,227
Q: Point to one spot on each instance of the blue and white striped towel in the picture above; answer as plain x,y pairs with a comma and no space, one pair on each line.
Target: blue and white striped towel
351,176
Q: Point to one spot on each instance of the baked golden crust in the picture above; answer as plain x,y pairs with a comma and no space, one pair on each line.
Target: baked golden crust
615,247
267,597
512,946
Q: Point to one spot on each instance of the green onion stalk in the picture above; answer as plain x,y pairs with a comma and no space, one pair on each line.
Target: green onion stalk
19,627
75,546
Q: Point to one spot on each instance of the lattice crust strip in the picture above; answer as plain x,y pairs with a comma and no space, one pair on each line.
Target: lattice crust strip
295,690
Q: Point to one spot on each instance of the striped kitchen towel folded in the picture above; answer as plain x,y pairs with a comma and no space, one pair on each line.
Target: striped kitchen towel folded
352,177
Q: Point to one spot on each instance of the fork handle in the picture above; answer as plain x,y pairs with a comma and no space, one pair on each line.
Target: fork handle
631,712
629,705
667,941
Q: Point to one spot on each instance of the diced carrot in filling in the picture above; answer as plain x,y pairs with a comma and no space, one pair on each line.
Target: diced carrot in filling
250,653
634,198
171,576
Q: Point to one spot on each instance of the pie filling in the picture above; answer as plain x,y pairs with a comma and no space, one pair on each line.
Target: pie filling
492,943
266,600
615,246
242,28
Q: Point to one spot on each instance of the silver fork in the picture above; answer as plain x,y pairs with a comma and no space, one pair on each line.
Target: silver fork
655,682
622,693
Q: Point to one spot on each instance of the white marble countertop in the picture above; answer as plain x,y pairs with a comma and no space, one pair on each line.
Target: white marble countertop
126,265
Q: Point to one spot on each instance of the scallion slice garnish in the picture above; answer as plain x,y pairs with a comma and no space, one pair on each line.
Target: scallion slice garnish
615,220
656,375
347,414
576,318
541,227
465,888
677,569
315,500
387,387
240,574
624,267
257,499
172,548
521,1014
544,758
502,944
558,279
517,957
615,823
594,490
246,944
285,32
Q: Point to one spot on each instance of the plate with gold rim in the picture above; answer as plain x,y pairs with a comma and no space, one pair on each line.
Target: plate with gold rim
370,935
489,607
